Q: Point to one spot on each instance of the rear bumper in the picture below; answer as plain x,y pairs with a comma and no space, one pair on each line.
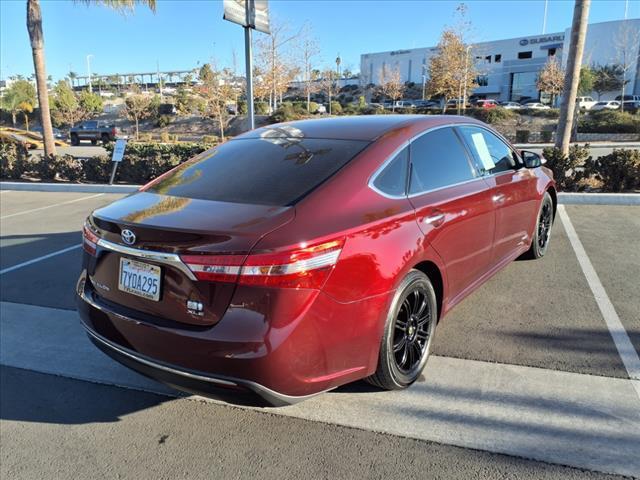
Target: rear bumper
284,347
199,383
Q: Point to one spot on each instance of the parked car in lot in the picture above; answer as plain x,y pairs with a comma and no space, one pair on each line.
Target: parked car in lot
94,131
426,104
486,103
511,105
302,256
607,105
536,106
57,133
586,103
630,106
321,108
634,98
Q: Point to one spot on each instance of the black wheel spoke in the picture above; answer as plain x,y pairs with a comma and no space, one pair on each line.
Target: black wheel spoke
399,345
412,329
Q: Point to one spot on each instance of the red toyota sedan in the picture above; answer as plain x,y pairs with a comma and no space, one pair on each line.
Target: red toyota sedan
302,256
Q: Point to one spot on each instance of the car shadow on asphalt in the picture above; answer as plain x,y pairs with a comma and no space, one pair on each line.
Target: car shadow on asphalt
30,396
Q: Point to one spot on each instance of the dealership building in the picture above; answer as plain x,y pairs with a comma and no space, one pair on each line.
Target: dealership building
508,69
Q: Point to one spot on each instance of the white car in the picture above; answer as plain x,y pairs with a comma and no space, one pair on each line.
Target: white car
511,105
609,105
537,106
586,103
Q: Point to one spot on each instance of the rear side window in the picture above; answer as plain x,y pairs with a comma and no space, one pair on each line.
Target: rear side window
438,159
270,171
491,153
393,179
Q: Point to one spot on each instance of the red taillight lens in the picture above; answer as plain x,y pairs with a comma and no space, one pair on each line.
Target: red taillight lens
89,240
300,267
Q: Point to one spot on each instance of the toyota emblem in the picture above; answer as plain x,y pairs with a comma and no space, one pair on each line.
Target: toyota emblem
128,236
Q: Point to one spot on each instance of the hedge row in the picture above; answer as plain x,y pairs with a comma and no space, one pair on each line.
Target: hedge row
141,163
617,172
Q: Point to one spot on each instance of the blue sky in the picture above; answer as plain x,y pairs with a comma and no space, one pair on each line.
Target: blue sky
185,32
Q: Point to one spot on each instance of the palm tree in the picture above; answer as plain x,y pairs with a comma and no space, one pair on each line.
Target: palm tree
72,78
34,26
572,79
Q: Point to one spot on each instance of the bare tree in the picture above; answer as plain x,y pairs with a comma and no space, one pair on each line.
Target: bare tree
572,79
309,52
626,44
391,85
328,84
138,107
275,62
551,79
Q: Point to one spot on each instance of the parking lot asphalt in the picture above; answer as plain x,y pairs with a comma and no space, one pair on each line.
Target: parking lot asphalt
538,314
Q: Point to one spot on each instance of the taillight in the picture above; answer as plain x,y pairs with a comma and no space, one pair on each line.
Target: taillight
89,240
306,266
114,131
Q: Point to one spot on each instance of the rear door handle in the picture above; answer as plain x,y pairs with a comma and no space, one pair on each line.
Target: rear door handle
499,198
435,219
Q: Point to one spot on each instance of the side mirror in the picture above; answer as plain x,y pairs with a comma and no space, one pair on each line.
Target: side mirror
532,159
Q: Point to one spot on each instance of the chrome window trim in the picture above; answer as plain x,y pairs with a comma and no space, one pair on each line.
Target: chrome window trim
407,143
170,259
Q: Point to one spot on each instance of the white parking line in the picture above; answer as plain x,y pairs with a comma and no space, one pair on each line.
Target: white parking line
51,206
39,259
625,348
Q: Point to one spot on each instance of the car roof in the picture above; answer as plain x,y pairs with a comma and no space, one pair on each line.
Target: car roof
357,127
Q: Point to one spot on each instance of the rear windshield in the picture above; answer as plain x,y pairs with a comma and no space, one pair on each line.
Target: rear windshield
265,171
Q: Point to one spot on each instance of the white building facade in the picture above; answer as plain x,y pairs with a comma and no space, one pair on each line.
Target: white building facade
508,69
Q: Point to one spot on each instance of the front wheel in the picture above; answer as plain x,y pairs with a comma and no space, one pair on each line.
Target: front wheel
408,333
542,235
75,141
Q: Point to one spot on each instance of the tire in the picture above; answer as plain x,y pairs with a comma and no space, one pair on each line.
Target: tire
399,366
105,138
75,141
542,234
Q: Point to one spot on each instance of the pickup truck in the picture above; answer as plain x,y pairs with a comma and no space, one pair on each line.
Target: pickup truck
94,131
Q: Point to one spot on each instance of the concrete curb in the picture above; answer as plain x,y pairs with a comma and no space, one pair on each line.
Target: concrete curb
68,187
564,198
567,198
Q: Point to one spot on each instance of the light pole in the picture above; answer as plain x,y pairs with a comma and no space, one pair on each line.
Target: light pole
89,57
424,80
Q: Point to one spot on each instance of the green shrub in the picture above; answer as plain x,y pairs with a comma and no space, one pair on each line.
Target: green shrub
564,167
522,136
243,107
163,121
284,113
609,121
45,168
261,108
618,171
313,107
336,108
546,136
491,115
97,169
165,137
542,113
69,168
210,139
14,160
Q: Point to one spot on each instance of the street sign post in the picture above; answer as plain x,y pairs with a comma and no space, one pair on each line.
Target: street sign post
118,154
252,15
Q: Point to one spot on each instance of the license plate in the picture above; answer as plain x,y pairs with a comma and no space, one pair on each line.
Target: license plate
139,279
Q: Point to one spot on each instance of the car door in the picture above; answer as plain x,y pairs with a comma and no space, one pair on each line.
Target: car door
453,206
513,191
